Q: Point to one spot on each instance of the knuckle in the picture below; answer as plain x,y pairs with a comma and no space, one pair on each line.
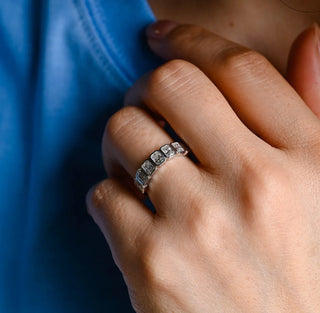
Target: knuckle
104,195
120,124
259,176
241,60
267,201
212,229
170,77
209,225
98,196
198,219
262,184
152,261
224,232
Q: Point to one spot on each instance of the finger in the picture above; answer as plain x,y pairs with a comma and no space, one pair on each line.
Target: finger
197,112
121,217
260,96
130,137
304,67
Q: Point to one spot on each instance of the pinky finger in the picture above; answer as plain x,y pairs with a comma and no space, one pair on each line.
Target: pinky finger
121,217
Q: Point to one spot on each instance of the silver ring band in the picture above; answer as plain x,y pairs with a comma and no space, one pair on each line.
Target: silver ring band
157,159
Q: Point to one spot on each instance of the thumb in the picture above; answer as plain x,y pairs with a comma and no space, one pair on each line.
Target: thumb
303,70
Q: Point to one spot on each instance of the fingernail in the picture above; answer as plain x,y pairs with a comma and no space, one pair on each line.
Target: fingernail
160,29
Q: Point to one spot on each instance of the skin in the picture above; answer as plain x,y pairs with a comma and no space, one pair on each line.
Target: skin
238,231
267,26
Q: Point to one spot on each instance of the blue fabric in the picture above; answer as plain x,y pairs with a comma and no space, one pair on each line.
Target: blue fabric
64,68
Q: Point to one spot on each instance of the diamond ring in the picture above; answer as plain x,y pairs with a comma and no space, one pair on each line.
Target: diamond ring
157,159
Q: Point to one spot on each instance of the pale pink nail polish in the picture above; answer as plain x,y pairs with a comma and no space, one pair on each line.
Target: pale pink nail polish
160,29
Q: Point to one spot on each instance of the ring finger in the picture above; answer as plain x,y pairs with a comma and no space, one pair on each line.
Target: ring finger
130,137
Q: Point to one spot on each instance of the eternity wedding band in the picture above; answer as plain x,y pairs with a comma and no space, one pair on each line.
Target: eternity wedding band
157,159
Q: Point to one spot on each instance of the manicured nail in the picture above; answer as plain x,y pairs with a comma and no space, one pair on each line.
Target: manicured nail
160,29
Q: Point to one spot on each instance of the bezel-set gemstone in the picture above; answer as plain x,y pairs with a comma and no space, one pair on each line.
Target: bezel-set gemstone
157,157
178,147
168,151
148,166
142,178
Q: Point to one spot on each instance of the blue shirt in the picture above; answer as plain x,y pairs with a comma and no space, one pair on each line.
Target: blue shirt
64,68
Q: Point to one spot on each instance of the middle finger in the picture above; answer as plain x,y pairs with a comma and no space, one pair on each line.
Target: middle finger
197,111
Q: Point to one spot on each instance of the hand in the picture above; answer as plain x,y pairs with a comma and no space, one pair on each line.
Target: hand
238,232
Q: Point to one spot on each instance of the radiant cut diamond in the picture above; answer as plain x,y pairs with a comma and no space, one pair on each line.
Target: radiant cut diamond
148,167
157,157
168,151
178,147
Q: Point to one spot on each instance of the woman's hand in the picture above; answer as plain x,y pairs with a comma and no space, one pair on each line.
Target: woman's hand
238,232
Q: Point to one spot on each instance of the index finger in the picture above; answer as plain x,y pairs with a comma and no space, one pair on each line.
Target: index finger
257,92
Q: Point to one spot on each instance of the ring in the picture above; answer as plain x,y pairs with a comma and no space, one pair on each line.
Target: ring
157,159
